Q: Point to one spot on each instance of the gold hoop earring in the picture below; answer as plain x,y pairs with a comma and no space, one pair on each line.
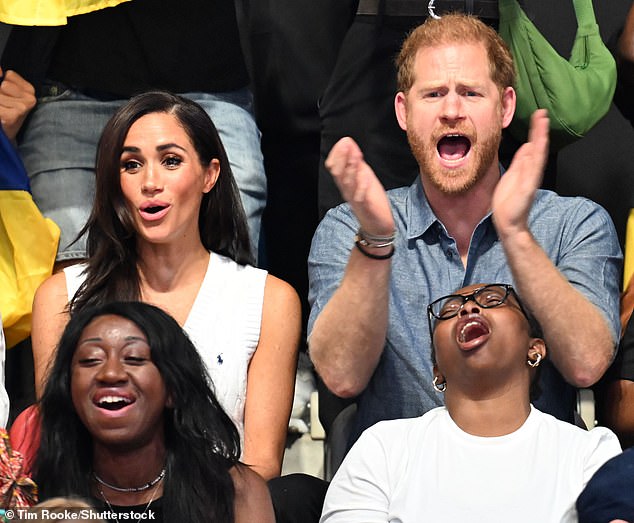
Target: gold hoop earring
439,387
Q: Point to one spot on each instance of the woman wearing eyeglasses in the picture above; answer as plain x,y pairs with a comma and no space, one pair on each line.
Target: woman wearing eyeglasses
488,454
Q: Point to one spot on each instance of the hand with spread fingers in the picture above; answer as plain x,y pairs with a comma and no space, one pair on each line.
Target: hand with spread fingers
17,98
514,194
360,187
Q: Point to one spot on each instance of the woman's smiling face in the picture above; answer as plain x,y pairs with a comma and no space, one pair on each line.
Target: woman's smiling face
117,391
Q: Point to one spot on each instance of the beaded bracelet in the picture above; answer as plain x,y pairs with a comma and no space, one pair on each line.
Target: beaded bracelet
376,242
359,245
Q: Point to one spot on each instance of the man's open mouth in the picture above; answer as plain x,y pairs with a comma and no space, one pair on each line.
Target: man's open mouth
453,147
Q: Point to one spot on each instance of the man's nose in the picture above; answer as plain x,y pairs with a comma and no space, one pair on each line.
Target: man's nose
452,108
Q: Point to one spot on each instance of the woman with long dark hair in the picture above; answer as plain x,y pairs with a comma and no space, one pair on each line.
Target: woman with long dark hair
129,418
167,227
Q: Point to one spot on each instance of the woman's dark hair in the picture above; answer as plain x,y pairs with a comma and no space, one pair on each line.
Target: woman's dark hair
112,272
202,443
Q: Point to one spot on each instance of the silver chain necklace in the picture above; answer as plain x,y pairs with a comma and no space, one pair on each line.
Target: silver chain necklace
148,485
156,481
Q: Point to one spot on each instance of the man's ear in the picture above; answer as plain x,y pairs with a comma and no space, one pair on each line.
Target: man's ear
211,175
508,102
400,107
536,346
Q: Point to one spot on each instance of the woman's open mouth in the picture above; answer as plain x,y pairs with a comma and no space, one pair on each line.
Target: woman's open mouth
472,332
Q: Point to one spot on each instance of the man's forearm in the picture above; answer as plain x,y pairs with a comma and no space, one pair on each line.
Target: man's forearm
349,334
578,338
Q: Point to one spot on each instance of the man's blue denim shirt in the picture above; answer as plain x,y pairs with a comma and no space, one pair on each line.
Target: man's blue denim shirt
577,235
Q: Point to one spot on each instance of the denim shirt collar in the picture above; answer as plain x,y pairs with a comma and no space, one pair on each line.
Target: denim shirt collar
421,217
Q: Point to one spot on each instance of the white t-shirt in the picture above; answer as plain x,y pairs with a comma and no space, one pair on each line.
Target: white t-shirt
428,469
4,397
223,324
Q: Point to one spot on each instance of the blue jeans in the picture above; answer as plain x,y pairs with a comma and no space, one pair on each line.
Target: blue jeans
60,141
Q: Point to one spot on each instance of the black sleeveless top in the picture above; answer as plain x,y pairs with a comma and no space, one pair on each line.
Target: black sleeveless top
132,513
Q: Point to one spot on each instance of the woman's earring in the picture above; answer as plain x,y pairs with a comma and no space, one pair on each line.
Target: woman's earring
535,363
439,387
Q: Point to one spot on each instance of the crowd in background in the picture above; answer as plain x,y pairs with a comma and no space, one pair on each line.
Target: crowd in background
276,121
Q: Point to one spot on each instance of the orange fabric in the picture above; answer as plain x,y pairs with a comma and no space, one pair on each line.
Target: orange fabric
25,436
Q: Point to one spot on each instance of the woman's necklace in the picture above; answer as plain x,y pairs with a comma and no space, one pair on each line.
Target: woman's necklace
155,481
148,485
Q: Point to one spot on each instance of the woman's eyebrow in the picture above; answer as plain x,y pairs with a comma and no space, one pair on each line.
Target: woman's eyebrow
135,338
169,146
90,340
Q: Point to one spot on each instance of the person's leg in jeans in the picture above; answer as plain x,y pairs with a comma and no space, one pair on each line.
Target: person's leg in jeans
232,113
58,150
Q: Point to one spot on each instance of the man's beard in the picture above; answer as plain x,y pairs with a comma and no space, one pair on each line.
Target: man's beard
460,180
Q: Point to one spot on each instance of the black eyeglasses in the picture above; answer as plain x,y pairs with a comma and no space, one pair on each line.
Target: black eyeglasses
487,297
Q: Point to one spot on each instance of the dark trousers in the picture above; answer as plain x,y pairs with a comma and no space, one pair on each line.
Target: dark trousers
359,102
291,48
297,498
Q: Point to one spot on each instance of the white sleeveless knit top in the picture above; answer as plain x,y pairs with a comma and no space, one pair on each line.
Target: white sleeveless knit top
223,324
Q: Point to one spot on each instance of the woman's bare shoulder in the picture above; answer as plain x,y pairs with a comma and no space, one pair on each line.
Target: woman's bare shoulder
278,291
52,291
48,322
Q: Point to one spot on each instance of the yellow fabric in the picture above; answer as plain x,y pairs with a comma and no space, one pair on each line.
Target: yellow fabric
48,12
28,245
628,261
